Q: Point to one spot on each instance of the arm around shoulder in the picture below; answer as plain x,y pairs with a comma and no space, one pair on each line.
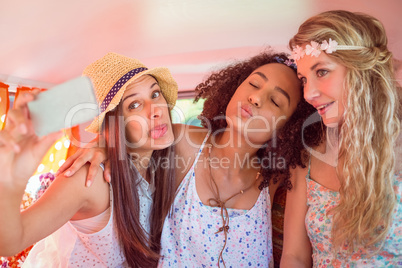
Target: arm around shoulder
296,244
188,140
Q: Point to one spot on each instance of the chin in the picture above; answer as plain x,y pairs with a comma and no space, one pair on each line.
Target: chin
163,143
332,123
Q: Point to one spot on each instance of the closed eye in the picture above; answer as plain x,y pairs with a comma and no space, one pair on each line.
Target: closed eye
274,102
253,85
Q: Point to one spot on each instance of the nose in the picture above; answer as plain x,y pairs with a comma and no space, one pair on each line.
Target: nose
255,100
156,111
310,91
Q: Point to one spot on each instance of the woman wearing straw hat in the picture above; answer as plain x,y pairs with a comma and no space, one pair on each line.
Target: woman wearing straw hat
108,225
253,117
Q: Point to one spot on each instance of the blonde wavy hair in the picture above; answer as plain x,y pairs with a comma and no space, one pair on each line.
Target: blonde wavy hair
369,130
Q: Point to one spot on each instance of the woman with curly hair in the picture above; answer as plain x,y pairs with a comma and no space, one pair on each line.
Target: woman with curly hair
254,113
345,207
227,172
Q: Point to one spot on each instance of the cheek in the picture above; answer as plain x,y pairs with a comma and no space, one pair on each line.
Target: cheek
135,131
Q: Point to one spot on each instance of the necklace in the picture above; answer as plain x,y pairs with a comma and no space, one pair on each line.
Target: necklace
217,202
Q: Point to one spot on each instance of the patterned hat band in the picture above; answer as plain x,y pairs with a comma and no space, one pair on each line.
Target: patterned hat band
116,87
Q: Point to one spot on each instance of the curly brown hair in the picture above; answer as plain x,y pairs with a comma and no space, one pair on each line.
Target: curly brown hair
289,144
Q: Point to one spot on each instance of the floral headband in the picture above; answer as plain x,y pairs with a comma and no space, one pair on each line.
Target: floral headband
315,49
287,62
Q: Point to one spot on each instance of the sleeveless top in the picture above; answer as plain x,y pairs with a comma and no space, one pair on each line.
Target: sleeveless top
189,237
318,225
68,247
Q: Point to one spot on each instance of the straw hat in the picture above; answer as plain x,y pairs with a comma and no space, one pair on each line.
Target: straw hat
112,74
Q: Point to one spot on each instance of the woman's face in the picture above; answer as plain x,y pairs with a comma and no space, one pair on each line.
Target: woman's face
264,102
146,116
323,79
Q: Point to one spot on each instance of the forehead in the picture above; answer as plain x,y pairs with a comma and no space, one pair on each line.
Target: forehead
282,76
307,62
140,84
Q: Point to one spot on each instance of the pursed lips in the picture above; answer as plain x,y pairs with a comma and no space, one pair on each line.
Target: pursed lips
246,111
158,131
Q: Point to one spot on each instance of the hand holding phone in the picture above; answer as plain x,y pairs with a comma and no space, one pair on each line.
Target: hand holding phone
64,106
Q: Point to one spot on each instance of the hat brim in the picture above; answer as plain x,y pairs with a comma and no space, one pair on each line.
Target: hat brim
166,82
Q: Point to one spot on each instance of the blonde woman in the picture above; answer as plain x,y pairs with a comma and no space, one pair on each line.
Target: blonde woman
345,207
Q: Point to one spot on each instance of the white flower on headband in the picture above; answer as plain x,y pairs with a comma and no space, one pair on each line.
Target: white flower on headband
297,53
314,49
330,46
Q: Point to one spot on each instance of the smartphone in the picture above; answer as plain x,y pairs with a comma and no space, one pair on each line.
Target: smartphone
64,106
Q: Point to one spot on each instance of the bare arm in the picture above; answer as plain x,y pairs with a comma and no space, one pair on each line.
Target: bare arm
296,245
20,153
94,154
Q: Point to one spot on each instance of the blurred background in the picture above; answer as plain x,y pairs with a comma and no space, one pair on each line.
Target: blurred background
46,42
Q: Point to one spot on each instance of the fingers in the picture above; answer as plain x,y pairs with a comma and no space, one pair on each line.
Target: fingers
78,163
92,172
17,124
96,161
24,98
107,172
8,142
69,161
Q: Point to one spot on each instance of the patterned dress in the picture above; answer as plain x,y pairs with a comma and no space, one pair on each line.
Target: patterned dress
320,200
75,244
190,238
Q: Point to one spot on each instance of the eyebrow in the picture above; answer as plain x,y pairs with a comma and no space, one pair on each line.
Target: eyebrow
312,68
262,75
283,92
276,88
131,95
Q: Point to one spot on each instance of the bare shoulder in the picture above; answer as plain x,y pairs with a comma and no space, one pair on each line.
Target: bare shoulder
188,139
189,134
94,199
298,175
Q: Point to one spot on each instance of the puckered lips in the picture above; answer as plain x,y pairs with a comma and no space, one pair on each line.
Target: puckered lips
158,131
246,111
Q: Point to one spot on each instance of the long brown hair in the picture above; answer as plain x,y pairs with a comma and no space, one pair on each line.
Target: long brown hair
140,249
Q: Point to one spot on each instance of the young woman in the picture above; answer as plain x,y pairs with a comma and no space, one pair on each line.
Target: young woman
345,208
116,225
227,173
254,113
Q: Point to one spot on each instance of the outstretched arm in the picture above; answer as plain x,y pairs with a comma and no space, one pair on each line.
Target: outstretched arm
296,245
20,154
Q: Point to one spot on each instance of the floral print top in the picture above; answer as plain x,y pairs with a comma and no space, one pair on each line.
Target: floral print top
318,225
190,237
